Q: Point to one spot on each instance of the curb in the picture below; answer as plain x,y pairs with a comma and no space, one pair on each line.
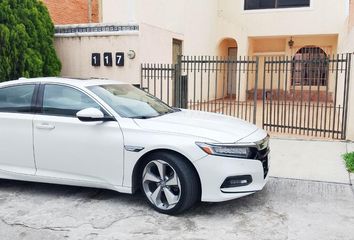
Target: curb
351,180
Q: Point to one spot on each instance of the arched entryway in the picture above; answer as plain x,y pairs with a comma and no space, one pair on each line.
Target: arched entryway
227,47
310,67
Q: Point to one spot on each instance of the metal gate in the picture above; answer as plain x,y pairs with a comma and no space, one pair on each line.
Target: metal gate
226,85
306,95
292,95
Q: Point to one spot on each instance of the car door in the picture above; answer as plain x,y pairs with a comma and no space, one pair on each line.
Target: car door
67,148
16,139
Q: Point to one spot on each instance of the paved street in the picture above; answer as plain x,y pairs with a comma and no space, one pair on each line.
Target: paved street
285,209
309,208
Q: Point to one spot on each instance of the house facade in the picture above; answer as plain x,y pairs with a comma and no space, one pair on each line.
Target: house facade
209,27
206,27
156,32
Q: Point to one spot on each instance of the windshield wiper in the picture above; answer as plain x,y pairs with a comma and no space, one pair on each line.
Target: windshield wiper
173,110
143,117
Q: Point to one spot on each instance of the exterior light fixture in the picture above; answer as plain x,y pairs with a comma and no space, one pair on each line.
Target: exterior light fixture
131,54
291,43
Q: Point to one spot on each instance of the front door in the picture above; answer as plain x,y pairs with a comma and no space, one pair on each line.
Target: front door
67,148
231,72
16,145
176,50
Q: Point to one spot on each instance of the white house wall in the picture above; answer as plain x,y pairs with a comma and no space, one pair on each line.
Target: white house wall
194,22
75,55
348,44
202,24
322,17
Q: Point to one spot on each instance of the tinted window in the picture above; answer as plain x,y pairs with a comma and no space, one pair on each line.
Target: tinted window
65,101
266,4
259,4
293,3
16,99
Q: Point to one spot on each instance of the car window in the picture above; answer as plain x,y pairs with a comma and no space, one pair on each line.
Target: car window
131,102
16,99
65,101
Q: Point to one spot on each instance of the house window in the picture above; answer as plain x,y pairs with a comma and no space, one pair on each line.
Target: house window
310,67
271,4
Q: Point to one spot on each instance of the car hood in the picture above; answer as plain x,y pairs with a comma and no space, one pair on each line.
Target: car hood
212,126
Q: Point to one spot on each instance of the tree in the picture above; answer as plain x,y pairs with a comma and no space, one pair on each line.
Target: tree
26,40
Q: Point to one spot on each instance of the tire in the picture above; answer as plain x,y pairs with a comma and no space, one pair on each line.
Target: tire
179,190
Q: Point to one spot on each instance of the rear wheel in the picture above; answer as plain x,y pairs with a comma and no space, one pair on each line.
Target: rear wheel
169,183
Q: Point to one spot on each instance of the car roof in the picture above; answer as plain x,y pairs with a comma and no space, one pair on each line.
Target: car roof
78,82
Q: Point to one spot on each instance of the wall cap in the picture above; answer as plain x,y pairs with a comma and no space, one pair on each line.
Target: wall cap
98,29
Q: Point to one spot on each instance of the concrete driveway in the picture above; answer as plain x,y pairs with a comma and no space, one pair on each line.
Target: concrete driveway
285,209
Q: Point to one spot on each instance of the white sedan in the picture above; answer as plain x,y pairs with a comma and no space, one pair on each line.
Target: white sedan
112,135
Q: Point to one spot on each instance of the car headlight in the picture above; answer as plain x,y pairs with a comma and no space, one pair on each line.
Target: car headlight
228,150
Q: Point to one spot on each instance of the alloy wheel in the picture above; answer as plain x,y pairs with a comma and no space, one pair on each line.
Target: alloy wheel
161,184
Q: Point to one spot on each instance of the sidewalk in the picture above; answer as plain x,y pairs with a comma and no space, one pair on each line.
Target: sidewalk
316,160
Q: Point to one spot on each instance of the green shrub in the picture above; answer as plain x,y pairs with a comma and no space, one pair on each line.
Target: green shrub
26,40
349,160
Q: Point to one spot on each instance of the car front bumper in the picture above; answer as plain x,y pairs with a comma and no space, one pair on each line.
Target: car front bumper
213,170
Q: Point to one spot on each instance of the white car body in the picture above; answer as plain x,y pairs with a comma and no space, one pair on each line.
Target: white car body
65,150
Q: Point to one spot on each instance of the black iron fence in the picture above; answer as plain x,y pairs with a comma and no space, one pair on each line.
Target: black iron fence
306,96
160,80
293,95
216,84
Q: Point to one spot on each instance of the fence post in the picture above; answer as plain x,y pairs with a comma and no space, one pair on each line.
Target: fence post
349,134
177,85
346,97
255,93
141,76
184,91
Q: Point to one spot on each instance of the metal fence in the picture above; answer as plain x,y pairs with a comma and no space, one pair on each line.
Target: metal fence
306,96
160,81
293,95
216,84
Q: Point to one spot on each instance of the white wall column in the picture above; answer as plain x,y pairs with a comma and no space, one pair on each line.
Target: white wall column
350,121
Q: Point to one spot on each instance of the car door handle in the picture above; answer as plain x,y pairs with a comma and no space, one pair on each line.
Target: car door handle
45,126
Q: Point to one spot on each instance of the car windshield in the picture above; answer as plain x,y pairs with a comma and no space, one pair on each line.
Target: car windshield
131,102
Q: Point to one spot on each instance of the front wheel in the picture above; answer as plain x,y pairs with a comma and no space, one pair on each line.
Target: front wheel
169,183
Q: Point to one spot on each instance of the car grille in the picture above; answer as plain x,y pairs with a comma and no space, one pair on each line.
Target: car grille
262,154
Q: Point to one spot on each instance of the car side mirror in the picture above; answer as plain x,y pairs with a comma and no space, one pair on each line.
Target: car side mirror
92,115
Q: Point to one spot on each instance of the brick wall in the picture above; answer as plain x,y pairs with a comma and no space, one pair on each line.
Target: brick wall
73,11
